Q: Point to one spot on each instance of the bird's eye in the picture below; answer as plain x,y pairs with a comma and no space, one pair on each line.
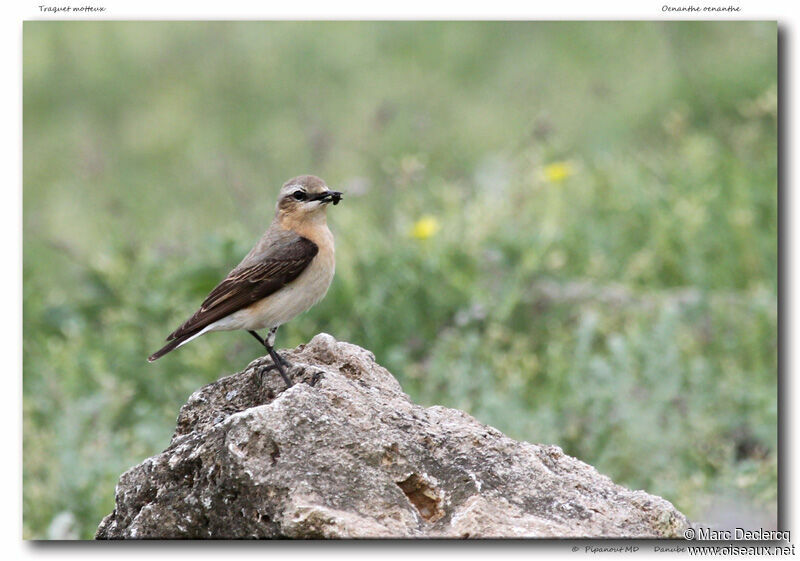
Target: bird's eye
299,195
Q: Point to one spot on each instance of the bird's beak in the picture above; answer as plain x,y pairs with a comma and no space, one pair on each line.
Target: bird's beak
328,197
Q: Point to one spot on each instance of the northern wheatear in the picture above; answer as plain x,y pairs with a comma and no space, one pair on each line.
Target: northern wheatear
287,271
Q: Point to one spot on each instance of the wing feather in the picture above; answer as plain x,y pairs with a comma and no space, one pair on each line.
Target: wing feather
254,279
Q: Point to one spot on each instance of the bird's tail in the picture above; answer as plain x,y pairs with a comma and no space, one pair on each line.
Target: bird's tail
172,345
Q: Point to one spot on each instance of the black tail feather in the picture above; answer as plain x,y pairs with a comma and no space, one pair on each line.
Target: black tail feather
171,346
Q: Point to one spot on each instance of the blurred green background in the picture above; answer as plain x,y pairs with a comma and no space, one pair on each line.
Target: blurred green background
568,230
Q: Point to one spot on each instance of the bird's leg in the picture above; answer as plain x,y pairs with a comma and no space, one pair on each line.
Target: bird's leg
258,337
276,365
271,345
278,361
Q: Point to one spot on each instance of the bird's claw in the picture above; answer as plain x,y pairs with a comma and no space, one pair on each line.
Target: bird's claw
295,369
275,366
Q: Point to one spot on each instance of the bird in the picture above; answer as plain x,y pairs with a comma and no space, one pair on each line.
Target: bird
287,272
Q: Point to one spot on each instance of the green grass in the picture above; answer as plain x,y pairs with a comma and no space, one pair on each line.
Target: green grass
603,276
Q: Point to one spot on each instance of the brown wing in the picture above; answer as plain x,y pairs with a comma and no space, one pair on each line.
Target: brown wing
246,285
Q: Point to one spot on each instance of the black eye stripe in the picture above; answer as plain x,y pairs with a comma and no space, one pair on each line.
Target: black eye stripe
299,195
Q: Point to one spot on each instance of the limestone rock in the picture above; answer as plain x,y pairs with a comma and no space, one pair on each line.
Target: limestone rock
344,453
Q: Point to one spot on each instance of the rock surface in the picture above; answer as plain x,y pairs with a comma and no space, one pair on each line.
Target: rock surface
344,453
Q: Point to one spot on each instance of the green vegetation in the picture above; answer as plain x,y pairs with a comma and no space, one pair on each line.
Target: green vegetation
567,229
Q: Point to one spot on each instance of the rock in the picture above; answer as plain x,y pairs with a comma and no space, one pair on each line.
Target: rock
344,453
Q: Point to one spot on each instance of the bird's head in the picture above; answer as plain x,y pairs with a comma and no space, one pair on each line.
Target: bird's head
304,198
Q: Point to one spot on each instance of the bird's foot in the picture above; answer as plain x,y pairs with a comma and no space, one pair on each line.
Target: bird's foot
312,380
316,377
275,366
284,367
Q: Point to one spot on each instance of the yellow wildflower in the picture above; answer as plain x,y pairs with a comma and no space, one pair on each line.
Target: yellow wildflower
558,171
425,227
